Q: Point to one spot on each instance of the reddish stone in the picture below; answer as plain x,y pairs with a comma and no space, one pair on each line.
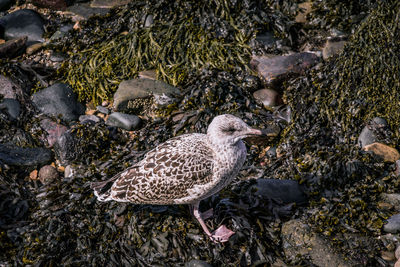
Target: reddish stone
53,130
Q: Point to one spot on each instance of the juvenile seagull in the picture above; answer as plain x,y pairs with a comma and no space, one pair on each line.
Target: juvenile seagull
185,170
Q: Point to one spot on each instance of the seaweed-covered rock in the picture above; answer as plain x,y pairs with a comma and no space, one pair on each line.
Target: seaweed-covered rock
58,100
23,22
131,92
18,156
274,69
387,153
197,263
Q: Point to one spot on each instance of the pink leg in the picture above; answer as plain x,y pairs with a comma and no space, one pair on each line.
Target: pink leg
222,234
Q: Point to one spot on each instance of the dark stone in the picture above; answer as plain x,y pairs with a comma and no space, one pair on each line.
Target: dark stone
13,48
124,121
11,106
285,191
53,130
266,38
197,263
47,174
58,99
5,4
18,156
103,110
23,22
275,69
393,224
67,148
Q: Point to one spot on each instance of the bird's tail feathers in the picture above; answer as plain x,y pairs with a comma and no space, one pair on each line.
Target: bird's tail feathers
102,189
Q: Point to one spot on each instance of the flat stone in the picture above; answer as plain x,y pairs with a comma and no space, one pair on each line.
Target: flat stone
298,240
13,48
387,153
51,4
23,22
83,11
285,191
58,100
103,110
54,130
128,90
48,174
108,3
275,69
89,118
393,224
8,87
11,106
34,48
197,263
332,47
267,97
18,156
124,121
148,74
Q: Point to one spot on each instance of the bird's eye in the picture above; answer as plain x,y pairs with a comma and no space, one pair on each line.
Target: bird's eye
230,129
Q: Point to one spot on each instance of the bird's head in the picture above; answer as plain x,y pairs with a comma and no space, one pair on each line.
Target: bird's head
228,129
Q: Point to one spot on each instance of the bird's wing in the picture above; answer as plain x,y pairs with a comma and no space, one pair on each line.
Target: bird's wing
169,172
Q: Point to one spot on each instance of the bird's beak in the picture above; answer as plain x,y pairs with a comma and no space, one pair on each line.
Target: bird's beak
252,131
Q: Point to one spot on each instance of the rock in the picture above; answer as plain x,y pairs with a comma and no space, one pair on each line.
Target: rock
57,57
61,32
34,48
285,191
108,3
23,22
89,118
124,121
18,156
392,199
267,97
368,135
393,224
33,175
397,171
58,100
67,148
83,11
53,130
148,74
388,255
8,87
298,240
266,38
5,4
275,69
387,153
137,89
69,171
148,21
304,9
47,174
397,253
103,110
397,264
332,47
13,48
197,263
11,107
52,4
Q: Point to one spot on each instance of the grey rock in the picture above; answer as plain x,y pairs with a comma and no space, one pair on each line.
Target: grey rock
13,48
57,57
5,4
58,100
124,121
89,118
332,47
275,69
393,224
69,171
66,148
392,199
298,240
367,135
103,110
48,174
23,22
11,106
285,191
83,11
61,32
267,97
197,263
8,87
108,3
141,89
148,21
53,131
18,156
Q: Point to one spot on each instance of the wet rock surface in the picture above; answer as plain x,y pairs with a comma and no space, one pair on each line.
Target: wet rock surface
125,121
11,106
18,156
58,100
393,224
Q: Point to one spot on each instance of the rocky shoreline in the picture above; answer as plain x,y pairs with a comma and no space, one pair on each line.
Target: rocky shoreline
87,88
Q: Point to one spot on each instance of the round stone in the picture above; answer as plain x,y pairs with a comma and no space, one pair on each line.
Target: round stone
47,174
